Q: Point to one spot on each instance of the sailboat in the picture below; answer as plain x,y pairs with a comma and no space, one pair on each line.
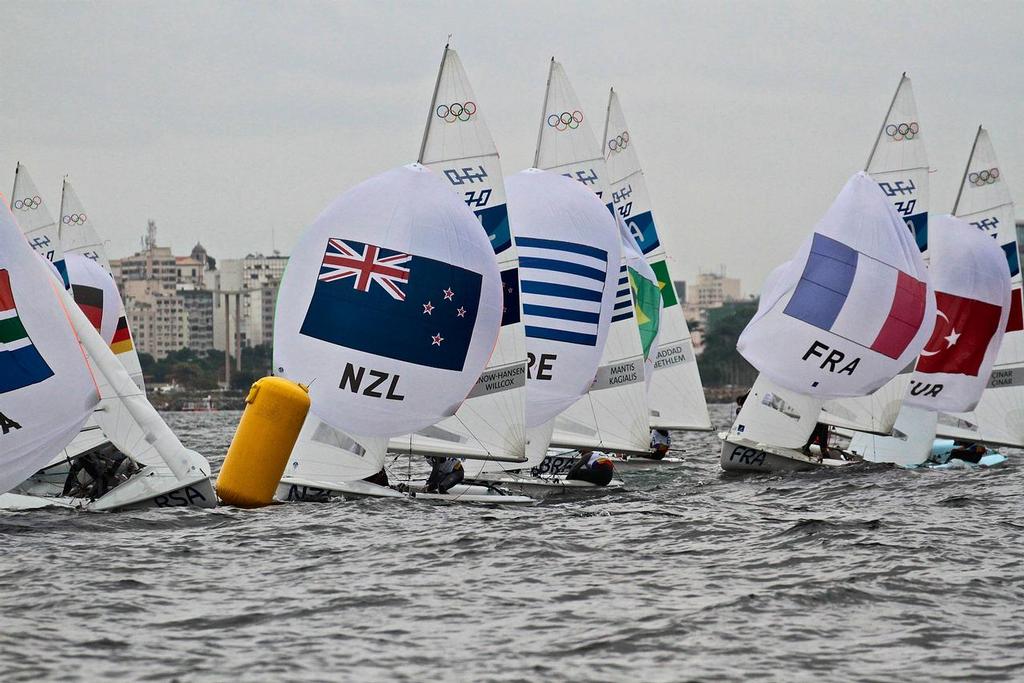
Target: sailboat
614,415
971,277
34,217
569,248
898,162
854,306
389,310
458,146
161,471
984,201
675,395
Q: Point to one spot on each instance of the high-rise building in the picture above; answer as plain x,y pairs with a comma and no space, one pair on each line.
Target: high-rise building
253,282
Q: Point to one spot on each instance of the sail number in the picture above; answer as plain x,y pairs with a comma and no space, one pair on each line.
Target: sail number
553,465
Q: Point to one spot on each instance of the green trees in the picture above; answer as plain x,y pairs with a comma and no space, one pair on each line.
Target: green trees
720,363
204,371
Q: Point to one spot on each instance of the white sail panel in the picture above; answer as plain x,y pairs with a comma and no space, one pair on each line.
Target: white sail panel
854,305
325,454
911,441
46,388
613,415
458,146
566,143
775,415
972,293
569,251
676,395
390,306
985,202
33,216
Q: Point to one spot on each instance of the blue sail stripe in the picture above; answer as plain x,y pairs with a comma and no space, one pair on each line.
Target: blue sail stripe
561,313
559,245
566,291
622,304
526,262
622,316
561,335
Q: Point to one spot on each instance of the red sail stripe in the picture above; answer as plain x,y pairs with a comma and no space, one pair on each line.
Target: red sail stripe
904,318
6,296
1015,322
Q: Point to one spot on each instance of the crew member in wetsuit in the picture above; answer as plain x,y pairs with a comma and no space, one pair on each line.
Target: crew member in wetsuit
740,400
968,452
594,467
444,474
818,436
660,443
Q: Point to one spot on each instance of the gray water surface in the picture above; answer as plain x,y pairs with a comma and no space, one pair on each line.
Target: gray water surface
870,573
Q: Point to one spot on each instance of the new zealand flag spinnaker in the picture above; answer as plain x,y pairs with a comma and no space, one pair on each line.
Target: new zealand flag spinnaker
393,304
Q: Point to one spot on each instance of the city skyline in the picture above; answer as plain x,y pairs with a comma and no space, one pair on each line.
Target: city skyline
239,135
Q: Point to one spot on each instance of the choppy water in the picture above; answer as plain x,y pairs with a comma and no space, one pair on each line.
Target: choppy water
866,574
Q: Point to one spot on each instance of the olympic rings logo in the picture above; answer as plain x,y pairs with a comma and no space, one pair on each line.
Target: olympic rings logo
456,111
986,177
902,131
565,120
28,203
74,219
619,142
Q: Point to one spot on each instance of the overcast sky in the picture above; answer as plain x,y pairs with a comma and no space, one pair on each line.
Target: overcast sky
237,123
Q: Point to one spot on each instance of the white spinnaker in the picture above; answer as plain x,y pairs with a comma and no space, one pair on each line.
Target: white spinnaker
458,145
776,416
676,395
78,236
35,220
94,291
46,389
566,145
899,163
851,309
390,307
984,201
613,415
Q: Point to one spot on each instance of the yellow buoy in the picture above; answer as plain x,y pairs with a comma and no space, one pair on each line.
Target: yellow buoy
274,412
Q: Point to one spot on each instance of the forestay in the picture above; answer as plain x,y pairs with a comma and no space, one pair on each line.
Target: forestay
984,201
78,235
390,305
46,388
850,308
899,163
35,220
458,145
972,294
675,395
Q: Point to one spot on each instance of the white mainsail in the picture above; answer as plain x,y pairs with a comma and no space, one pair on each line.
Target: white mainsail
984,201
676,396
566,145
35,220
46,388
458,145
899,164
78,235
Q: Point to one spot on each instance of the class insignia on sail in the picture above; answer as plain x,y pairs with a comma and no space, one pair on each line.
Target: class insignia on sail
390,305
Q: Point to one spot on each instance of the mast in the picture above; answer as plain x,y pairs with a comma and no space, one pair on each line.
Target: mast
14,189
881,131
963,181
60,216
607,117
543,115
433,100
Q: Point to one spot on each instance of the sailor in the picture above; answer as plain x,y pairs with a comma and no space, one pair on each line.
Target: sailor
660,443
818,436
444,474
740,400
593,466
962,450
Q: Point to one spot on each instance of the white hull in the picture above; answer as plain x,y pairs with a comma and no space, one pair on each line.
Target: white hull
303,490
541,487
741,455
146,489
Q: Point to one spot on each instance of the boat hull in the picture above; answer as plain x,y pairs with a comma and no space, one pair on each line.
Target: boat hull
741,455
301,490
541,487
